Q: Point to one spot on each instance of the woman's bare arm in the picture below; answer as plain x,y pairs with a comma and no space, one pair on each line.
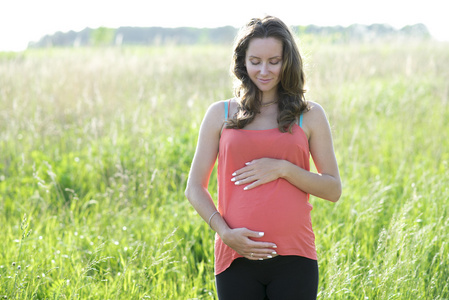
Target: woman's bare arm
200,198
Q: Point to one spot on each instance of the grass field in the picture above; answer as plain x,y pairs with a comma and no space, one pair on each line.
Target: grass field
96,146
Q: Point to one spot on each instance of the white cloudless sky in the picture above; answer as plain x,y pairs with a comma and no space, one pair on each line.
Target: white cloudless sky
22,21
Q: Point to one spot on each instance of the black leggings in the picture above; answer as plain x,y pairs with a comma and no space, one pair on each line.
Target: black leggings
281,277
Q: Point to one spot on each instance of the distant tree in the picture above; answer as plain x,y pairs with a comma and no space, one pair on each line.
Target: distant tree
417,30
102,36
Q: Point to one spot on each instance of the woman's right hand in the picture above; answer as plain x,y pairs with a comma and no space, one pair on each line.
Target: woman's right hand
241,241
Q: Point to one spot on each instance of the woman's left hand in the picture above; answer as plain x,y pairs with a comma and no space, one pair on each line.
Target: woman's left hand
257,172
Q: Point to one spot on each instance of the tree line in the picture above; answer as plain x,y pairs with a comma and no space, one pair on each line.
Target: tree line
154,36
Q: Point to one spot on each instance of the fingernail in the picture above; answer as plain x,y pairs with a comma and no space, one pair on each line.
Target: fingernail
275,246
237,182
260,258
248,163
245,188
261,233
274,253
233,174
233,179
269,256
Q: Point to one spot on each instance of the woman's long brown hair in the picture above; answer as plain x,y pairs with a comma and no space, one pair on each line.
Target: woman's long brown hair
291,87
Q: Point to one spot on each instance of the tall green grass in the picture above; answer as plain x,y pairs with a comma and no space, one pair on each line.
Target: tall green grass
96,146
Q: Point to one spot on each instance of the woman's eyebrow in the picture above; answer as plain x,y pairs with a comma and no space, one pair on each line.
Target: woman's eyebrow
252,56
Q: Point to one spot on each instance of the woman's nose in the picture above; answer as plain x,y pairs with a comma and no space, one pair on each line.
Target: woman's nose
264,69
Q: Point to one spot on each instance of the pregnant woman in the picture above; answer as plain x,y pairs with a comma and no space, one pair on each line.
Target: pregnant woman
265,245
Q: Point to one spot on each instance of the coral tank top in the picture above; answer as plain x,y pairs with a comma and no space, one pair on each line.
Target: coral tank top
278,208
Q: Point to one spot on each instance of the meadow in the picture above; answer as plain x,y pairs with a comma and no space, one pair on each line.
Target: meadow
96,146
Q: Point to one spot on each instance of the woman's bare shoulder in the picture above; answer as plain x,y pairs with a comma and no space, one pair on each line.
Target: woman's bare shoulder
314,118
218,108
315,112
215,115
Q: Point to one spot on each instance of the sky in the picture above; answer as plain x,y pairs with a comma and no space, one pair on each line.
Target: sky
23,21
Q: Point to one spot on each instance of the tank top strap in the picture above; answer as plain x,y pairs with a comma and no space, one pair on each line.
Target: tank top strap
300,121
227,105
226,109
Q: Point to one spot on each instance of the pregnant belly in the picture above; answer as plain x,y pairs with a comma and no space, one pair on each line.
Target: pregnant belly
277,218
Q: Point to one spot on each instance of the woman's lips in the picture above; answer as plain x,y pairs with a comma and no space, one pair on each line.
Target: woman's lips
264,80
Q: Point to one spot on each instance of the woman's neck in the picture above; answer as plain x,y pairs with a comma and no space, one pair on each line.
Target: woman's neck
269,98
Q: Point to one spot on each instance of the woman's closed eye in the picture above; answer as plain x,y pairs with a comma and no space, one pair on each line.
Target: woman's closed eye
255,63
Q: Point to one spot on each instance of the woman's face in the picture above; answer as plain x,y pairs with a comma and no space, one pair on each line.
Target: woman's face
264,64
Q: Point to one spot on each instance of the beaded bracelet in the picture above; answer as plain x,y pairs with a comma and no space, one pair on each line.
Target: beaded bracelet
210,218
